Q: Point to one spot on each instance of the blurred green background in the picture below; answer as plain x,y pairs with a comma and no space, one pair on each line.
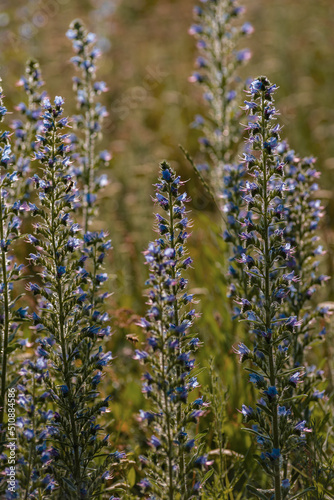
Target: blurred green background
148,56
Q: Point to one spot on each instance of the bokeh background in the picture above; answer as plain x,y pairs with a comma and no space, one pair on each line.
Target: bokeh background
147,59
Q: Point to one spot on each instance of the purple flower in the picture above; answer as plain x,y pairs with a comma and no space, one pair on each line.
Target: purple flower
247,29
59,101
155,442
285,484
243,55
271,392
243,351
140,355
257,379
301,427
247,411
294,379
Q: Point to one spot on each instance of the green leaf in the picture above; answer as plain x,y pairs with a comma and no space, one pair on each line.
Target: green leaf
256,372
265,409
11,337
299,396
207,475
257,492
255,432
197,372
69,484
298,495
202,434
13,382
12,348
287,372
132,477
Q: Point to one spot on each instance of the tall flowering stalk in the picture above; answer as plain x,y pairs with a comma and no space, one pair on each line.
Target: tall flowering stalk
219,32
70,322
218,35
267,254
33,430
88,122
25,129
303,213
31,425
10,272
174,463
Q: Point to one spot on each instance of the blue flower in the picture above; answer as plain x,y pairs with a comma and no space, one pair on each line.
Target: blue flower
64,390
271,392
243,55
101,278
243,351
282,411
247,29
294,379
59,101
61,270
155,442
255,378
285,484
247,411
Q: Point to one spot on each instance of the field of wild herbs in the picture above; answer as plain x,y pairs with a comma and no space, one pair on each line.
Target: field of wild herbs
166,249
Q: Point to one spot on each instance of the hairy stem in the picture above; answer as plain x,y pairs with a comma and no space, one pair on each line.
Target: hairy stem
272,368
176,321
5,330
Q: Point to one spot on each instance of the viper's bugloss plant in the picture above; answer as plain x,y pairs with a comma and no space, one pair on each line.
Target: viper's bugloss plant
33,430
303,212
10,272
219,32
88,123
69,321
266,256
25,129
175,462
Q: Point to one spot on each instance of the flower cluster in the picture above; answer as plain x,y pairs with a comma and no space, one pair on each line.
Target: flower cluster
175,453
10,272
88,122
25,129
218,32
34,429
303,213
266,259
69,319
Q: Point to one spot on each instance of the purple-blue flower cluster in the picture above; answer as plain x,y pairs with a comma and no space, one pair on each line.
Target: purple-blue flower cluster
266,258
10,272
34,429
175,460
219,31
87,124
69,319
26,128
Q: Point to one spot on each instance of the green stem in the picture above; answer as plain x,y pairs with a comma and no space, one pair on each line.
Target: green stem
169,436
6,318
272,368
179,415
32,450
